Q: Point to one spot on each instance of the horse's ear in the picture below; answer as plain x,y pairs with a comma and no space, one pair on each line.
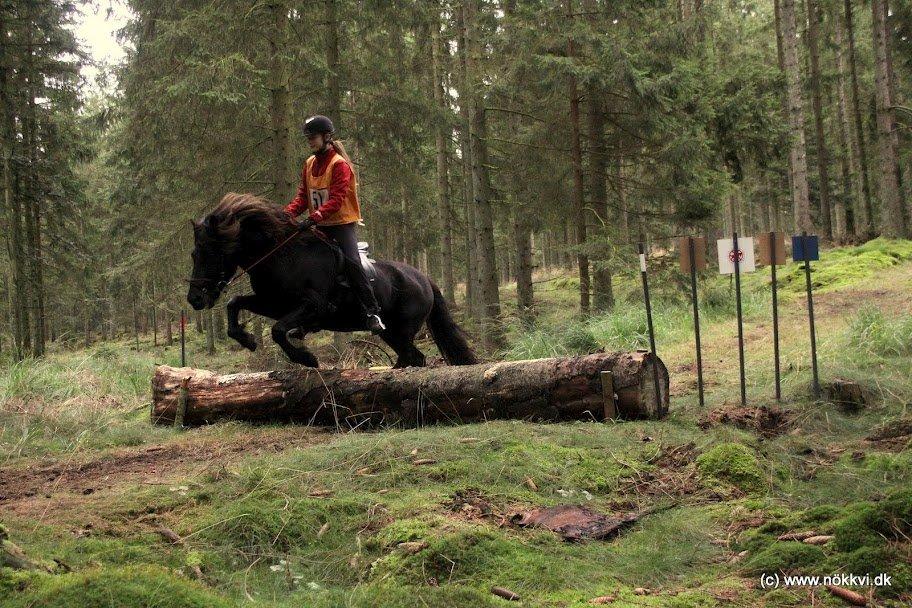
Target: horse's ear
195,224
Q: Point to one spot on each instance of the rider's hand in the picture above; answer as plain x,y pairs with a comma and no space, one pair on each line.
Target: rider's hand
305,224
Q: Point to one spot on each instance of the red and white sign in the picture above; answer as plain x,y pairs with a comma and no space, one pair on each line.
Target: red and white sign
744,254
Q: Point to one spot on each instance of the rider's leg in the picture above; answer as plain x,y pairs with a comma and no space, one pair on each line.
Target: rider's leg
345,235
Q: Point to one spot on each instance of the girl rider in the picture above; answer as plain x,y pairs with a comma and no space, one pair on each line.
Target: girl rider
329,193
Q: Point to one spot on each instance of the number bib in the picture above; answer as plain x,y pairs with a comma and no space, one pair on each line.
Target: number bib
318,196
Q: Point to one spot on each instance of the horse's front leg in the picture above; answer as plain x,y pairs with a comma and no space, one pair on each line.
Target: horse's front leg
235,305
308,317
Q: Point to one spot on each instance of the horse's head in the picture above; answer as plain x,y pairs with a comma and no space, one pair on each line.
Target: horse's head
236,232
213,262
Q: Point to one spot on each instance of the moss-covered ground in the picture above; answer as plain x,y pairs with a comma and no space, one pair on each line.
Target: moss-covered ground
296,517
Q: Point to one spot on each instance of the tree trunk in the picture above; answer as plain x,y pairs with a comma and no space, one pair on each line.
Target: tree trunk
840,214
797,146
892,224
775,219
31,196
622,197
472,295
864,221
492,332
221,332
576,159
441,137
279,103
333,77
522,239
210,332
848,137
823,160
154,317
12,208
603,295
543,389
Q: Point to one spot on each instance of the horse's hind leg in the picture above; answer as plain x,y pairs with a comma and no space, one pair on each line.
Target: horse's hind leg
403,342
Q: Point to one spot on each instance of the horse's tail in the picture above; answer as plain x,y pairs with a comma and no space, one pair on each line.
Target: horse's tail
448,336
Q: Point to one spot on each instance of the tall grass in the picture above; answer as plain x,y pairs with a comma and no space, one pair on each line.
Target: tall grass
875,334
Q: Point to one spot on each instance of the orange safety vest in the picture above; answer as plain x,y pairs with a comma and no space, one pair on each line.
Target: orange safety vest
318,188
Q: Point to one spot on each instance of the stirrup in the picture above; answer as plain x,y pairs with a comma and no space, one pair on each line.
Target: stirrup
375,324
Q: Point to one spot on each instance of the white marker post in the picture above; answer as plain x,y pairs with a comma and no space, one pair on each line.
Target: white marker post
737,255
652,340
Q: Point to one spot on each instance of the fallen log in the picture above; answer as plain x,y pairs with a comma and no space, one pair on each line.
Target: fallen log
574,388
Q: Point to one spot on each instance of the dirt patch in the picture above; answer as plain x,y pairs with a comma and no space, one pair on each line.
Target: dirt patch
471,505
673,476
574,522
20,486
764,420
894,436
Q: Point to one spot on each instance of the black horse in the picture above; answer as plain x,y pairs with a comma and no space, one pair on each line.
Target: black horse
298,284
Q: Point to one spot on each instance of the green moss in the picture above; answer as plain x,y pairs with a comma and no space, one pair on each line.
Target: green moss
785,556
864,560
785,597
130,587
839,268
821,514
399,597
403,530
868,540
734,463
868,524
13,581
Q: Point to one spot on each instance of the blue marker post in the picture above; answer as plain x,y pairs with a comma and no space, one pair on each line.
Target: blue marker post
806,248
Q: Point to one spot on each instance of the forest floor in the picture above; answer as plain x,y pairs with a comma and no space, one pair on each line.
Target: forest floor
125,514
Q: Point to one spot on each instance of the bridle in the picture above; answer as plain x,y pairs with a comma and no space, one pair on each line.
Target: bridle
223,282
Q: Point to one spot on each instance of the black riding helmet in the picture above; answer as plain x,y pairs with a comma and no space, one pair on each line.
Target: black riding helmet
318,124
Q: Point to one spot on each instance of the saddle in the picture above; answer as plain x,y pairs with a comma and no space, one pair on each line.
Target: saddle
367,263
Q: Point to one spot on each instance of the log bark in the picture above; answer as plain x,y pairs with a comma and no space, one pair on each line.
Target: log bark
541,389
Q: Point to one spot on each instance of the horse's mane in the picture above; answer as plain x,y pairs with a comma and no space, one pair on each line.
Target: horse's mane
250,210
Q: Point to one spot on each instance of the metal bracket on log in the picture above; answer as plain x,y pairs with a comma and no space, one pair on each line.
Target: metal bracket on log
608,395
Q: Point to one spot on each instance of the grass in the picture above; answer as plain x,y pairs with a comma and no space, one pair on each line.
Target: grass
259,526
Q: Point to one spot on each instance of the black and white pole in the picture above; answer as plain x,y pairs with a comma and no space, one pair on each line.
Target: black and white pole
652,342
696,314
773,261
736,254
183,327
810,297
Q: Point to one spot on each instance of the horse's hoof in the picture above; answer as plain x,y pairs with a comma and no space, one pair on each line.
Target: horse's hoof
246,340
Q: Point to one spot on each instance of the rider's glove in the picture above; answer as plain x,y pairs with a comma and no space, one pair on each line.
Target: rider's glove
305,224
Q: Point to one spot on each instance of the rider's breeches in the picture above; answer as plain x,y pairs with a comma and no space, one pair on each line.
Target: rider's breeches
346,236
